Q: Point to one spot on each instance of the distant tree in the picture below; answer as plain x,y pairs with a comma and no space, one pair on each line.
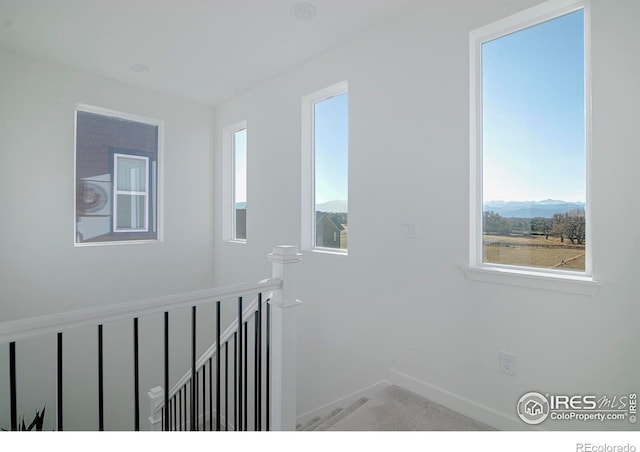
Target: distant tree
494,223
541,225
570,225
575,226
558,226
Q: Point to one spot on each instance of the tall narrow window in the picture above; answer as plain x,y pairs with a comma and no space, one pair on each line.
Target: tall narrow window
240,184
117,157
325,169
235,182
530,144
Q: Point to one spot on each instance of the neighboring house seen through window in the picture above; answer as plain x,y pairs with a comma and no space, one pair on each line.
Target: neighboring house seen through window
116,177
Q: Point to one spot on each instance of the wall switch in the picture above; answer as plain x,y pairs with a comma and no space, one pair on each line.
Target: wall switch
508,363
410,229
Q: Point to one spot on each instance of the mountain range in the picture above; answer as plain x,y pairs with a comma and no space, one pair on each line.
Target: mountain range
332,206
508,209
531,209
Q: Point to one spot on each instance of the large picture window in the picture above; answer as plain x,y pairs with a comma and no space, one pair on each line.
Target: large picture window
530,141
117,158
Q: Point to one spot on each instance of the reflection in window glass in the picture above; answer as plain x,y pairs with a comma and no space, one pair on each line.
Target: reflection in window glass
116,177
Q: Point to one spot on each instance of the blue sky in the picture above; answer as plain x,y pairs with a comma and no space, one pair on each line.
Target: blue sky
533,113
240,165
331,148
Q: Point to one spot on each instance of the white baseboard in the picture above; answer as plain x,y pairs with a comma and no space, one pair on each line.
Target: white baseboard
462,405
342,402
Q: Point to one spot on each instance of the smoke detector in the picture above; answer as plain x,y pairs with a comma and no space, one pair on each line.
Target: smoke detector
139,67
303,11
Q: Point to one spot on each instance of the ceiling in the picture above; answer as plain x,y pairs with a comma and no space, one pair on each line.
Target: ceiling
204,50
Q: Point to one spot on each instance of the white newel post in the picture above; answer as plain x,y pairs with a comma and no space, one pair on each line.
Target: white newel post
156,398
284,340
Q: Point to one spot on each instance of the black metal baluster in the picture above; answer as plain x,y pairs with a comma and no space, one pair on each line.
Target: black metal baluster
218,366
211,395
100,382
195,382
239,374
246,375
204,397
259,366
255,370
165,421
185,413
226,386
175,408
168,414
60,382
235,381
14,391
180,409
268,369
193,369
136,376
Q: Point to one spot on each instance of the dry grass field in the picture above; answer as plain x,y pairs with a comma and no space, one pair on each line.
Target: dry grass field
534,251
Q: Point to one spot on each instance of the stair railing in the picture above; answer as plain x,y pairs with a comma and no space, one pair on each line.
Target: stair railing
274,333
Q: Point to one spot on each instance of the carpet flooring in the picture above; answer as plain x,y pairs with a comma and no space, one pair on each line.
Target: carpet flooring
395,409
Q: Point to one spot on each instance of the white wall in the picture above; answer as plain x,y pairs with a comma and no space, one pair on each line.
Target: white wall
405,304
40,270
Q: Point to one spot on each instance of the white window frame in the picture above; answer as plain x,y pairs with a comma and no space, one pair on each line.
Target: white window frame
308,207
229,182
565,281
157,174
131,193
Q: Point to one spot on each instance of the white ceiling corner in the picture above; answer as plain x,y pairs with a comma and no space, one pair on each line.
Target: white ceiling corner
204,50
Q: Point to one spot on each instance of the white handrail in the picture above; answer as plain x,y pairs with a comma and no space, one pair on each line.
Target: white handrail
15,330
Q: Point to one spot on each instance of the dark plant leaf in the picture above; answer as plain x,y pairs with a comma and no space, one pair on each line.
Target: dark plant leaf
40,420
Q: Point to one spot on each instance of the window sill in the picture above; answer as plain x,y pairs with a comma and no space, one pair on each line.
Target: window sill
115,242
339,252
582,285
240,241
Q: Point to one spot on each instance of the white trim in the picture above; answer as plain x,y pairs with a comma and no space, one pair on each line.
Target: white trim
228,181
474,410
322,250
159,174
343,401
526,277
513,275
308,183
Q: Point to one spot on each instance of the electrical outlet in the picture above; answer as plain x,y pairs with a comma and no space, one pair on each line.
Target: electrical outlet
508,363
